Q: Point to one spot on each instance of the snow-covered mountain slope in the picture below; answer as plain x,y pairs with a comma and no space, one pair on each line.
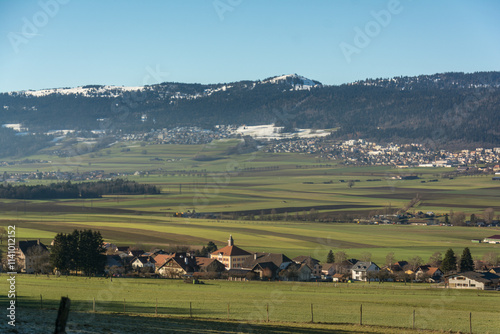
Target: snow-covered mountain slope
88,91
296,81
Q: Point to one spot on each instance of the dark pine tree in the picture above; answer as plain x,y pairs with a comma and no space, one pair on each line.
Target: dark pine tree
449,262
330,258
211,247
59,256
466,262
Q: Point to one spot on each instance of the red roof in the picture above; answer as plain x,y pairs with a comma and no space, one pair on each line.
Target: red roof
231,251
161,259
204,261
432,270
496,236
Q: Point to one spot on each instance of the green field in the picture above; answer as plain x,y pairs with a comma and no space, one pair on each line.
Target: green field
291,238
384,304
264,181
245,189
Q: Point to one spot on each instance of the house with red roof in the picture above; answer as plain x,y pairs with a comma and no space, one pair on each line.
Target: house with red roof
231,256
429,274
494,239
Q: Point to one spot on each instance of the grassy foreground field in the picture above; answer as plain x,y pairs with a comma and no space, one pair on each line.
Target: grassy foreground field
386,304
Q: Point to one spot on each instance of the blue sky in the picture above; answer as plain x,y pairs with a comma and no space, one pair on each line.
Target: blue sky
66,43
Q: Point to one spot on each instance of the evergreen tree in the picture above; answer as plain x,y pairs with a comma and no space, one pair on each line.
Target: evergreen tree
59,256
466,262
80,250
449,261
211,247
330,258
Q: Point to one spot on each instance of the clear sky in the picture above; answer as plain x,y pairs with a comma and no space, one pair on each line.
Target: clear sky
67,43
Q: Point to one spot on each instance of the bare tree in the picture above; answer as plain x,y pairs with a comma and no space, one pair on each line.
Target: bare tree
415,262
488,215
340,256
273,214
389,259
366,256
458,219
436,259
491,258
3,234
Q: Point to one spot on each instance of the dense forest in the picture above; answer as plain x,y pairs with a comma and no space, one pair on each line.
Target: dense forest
68,190
448,109
13,144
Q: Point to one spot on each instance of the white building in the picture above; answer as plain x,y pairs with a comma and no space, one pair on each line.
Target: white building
359,271
473,280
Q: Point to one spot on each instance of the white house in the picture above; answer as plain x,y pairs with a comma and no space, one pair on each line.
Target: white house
494,239
473,280
143,262
360,270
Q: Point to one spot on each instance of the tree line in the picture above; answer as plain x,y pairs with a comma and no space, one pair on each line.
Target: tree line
78,251
68,190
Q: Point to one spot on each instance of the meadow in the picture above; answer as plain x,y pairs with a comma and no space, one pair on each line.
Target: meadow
251,303
291,238
255,192
265,198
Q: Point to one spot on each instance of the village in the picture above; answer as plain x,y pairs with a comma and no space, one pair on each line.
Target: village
236,264
362,152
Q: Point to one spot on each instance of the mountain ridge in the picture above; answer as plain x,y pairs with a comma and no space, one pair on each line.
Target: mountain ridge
451,109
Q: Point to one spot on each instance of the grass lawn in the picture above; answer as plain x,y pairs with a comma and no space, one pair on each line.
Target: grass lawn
387,304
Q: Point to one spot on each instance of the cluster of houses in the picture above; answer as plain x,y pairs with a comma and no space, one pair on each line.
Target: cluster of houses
362,152
233,263
181,135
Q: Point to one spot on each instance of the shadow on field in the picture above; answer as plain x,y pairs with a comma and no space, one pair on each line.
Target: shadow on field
35,303
31,319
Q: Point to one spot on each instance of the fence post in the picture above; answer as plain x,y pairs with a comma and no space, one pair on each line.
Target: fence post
123,305
41,302
267,309
470,322
156,308
312,313
93,305
361,314
227,311
190,310
62,315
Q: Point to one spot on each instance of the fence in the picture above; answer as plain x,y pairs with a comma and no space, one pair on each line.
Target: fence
362,314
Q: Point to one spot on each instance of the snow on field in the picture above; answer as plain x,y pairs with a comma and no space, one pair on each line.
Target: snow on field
270,131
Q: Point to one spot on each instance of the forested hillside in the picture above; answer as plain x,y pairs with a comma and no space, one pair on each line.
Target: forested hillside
447,109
